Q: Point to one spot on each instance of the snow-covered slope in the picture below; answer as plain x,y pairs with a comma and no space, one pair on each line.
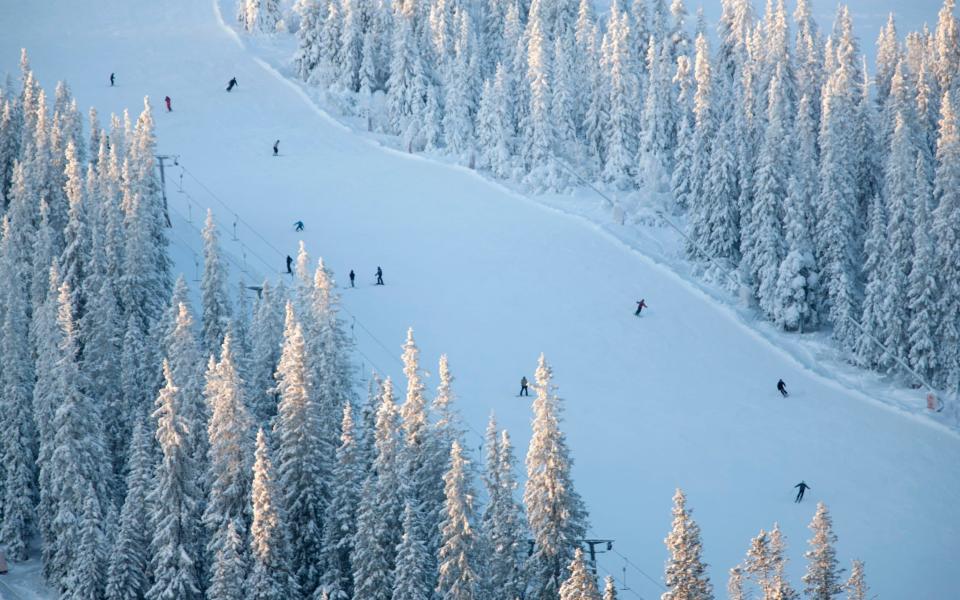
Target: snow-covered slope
683,396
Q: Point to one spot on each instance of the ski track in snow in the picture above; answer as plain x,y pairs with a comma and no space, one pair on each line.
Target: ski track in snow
682,397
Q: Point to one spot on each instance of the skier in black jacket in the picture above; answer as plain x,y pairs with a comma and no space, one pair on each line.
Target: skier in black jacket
782,388
803,487
232,84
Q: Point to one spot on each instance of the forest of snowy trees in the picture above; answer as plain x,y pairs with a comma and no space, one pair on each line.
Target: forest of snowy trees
831,194
147,454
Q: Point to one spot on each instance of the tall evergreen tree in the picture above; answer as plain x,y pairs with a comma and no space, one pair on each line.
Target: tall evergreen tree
501,526
228,479
413,561
457,573
555,512
922,284
175,504
686,576
297,428
946,228
216,311
272,576
856,586
581,584
822,579
127,574
340,520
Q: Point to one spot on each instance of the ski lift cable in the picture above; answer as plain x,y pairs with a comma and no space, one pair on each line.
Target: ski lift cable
638,569
225,205
230,257
659,212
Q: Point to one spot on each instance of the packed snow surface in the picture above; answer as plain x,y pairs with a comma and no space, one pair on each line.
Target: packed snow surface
682,397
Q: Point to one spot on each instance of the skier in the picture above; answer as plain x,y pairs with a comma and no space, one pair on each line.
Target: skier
803,487
782,388
111,79
276,147
298,226
167,100
640,306
523,386
232,83
379,276
289,262
352,277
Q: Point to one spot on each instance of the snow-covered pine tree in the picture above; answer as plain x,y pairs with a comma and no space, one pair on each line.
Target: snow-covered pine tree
555,512
175,504
340,520
538,131
228,567
262,16
735,584
18,445
659,117
760,563
127,575
685,577
946,44
856,586
351,45
721,232
77,466
413,561
301,481
866,350
267,336
566,96
899,188
774,164
704,121
822,579
838,200
461,79
406,87
796,299
619,137
922,291
946,229
87,576
609,588
75,256
272,575
309,53
683,155
379,512
216,312
228,466
457,578
581,584
145,280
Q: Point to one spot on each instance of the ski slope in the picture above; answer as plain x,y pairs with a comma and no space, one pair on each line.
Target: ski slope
683,396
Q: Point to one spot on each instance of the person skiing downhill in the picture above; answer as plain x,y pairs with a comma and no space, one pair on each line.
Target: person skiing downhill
379,276
232,83
298,226
111,79
523,386
640,306
289,263
352,277
782,388
276,147
803,487
167,100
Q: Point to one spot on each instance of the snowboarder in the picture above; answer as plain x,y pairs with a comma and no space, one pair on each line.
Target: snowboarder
111,79
232,84
276,147
782,388
298,226
379,276
640,306
352,277
289,263
167,100
523,386
803,487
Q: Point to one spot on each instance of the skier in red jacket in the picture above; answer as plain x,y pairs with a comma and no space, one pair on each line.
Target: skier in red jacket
167,100
640,306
